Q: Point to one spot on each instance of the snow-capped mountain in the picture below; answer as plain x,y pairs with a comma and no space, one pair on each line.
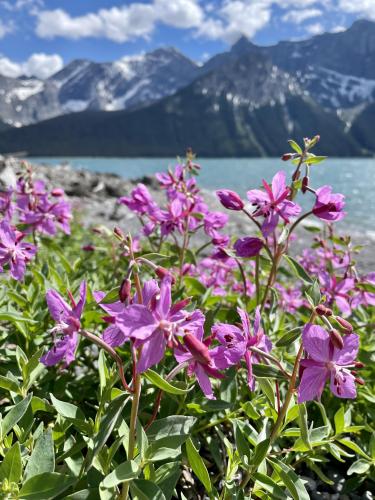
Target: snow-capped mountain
81,85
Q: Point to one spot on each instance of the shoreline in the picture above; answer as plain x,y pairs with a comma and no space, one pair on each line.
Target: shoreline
94,195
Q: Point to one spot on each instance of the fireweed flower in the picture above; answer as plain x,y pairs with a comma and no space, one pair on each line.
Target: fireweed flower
337,291
46,216
67,325
325,361
116,335
13,251
156,325
361,296
244,339
7,205
230,199
329,206
201,360
139,201
273,204
248,246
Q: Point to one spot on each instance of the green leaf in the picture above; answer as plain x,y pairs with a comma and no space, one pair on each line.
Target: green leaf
291,480
260,453
361,466
270,486
9,384
198,466
164,448
242,444
124,472
45,486
313,160
295,146
194,285
162,384
15,317
107,424
353,446
268,390
166,477
88,494
145,490
267,371
302,419
298,270
289,337
42,458
15,415
176,425
67,410
11,466
340,420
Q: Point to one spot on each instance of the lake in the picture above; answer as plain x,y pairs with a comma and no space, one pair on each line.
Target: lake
354,177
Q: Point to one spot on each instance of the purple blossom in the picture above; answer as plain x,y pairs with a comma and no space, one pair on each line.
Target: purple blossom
115,334
140,200
325,361
6,204
13,251
329,206
201,360
230,199
248,246
337,291
67,325
363,297
273,204
242,339
156,324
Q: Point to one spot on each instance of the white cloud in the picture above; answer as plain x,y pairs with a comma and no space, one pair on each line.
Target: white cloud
31,6
236,18
5,29
38,65
298,16
315,29
365,8
120,23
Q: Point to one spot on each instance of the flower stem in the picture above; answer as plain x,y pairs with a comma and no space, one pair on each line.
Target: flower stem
257,284
100,343
292,384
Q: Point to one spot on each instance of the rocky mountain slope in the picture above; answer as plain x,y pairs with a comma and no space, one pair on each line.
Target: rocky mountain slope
243,102
82,85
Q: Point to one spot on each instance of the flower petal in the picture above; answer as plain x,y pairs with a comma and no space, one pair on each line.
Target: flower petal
316,343
312,383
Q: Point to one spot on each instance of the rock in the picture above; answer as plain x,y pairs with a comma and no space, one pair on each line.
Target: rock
7,174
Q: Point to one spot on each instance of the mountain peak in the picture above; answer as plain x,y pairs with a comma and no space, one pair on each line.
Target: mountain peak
243,44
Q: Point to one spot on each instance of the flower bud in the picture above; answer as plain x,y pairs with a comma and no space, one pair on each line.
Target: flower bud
230,199
344,324
197,349
88,248
125,288
336,339
359,364
322,310
305,184
359,381
162,272
287,156
57,192
296,175
119,234
248,247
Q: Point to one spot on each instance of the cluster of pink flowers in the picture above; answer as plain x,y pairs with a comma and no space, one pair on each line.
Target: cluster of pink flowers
151,323
38,211
185,210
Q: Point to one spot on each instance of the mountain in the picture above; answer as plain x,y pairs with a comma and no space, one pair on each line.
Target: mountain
336,69
244,102
243,107
85,85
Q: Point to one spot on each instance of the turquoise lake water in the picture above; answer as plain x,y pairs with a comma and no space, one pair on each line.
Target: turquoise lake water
355,177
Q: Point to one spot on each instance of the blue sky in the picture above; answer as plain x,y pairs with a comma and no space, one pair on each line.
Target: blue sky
38,36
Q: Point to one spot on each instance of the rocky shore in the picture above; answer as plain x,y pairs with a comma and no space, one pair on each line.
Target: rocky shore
94,196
